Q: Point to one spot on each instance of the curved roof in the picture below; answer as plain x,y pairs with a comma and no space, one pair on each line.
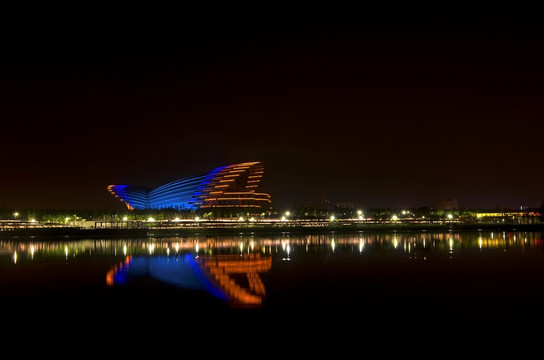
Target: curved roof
225,186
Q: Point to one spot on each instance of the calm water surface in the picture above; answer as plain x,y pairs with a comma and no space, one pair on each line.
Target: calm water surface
454,291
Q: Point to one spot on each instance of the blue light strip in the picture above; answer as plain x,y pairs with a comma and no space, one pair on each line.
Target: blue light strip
204,184
136,197
183,194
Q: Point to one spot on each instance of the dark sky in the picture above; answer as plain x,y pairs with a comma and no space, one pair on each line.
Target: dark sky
384,107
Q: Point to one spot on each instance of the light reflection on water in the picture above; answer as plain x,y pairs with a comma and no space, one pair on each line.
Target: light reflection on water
231,268
23,250
485,287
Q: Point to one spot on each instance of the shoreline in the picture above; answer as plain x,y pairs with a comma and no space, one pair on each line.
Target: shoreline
71,232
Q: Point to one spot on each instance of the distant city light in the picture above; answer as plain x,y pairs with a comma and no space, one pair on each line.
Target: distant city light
332,218
150,219
394,218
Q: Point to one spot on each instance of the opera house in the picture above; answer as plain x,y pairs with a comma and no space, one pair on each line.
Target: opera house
230,186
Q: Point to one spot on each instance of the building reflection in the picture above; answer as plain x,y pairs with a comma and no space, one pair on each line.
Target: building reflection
230,268
234,279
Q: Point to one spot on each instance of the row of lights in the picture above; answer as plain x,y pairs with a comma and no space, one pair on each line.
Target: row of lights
287,214
283,218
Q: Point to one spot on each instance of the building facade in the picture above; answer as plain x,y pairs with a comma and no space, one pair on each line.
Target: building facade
226,187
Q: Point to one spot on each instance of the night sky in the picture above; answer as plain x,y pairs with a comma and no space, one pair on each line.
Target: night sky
380,107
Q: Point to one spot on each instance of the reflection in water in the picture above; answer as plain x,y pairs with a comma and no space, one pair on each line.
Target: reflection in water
286,244
224,269
230,267
219,275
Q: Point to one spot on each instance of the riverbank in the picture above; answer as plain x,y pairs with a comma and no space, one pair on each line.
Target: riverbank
73,232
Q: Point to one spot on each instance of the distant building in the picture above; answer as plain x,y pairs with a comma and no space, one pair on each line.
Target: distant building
448,204
230,186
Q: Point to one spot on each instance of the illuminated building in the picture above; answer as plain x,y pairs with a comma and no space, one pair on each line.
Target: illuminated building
230,186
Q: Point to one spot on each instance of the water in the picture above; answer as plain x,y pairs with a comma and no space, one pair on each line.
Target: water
476,292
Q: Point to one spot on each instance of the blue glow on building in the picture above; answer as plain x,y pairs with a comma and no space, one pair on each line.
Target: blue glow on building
230,186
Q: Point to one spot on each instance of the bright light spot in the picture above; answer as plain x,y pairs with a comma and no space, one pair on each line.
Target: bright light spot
15,257
125,218
150,219
241,246
66,218
287,213
151,248
252,219
283,218
32,251
361,245
176,219
403,212
450,216
333,244
395,242
394,218
197,218
332,218
361,218
241,218
125,249
32,220
196,246
66,251
359,212
16,214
